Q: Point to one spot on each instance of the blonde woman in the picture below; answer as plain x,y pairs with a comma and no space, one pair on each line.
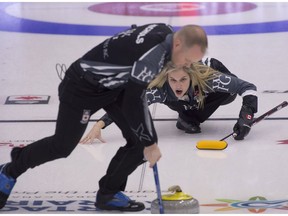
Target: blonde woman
196,93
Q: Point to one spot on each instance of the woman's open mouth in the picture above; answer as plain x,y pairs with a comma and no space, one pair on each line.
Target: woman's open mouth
179,92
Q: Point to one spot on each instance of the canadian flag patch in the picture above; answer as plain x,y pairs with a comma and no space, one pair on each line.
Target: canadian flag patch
249,117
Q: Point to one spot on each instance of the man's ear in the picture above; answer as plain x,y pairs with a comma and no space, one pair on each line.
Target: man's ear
177,42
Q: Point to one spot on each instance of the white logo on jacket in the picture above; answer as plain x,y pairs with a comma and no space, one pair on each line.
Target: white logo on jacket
145,75
222,83
140,37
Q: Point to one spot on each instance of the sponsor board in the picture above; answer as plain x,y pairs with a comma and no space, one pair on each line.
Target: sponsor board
27,99
83,202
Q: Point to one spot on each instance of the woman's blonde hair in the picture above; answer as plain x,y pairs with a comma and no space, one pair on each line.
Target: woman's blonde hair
199,75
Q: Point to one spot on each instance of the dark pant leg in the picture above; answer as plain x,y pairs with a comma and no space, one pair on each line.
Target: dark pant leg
127,158
69,131
212,103
76,99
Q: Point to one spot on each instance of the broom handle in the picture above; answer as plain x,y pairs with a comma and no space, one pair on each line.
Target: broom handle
157,183
265,115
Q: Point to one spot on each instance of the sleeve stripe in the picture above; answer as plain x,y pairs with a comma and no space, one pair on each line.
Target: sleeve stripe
249,92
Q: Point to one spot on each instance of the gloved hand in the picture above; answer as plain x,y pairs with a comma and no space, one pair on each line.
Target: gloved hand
243,125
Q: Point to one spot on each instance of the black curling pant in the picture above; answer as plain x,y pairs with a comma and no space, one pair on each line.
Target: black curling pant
211,104
78,99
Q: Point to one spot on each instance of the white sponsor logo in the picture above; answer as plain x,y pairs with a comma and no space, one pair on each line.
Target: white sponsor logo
221,83
145,75
140,37
124,34
152,95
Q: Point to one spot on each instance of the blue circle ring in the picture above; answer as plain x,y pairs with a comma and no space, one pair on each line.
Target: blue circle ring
14,24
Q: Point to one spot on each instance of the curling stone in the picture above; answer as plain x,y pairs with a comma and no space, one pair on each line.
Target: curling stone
176,202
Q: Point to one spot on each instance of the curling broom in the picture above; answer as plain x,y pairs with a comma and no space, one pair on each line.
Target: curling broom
158,189
222,144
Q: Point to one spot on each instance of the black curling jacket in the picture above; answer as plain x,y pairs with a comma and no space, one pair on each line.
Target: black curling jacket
224,81
130,60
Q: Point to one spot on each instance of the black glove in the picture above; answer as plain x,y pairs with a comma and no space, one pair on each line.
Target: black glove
243,125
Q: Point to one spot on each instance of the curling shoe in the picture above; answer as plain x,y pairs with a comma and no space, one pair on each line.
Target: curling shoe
190,128
6,185
118,201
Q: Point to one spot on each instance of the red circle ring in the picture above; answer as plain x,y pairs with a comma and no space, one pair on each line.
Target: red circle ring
171,8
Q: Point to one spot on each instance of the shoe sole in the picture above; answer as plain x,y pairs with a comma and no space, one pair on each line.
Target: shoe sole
100,207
